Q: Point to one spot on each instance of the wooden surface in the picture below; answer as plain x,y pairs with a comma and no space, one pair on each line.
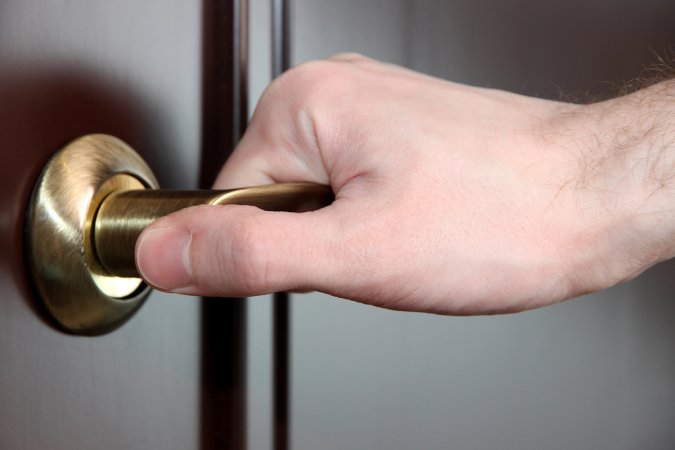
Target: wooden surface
133,70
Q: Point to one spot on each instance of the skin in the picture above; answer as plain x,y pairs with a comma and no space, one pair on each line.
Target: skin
450,199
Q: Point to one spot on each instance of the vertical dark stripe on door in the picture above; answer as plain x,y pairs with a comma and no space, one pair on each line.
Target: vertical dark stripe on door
223,322
281,315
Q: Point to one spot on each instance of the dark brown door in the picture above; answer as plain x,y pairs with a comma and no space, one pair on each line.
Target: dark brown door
134,70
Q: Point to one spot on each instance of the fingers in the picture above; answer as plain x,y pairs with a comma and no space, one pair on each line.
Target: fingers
237,251
248,165
284,141
280,143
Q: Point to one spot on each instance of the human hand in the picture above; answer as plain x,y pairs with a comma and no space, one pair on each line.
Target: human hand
449,198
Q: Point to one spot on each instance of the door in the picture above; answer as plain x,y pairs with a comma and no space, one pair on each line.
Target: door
596,372
138,71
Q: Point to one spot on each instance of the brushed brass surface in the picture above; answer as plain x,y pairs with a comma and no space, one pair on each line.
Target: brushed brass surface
92,201
124,215
75,291
113,286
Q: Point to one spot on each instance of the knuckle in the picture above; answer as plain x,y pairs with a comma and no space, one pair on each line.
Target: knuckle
317,98
249,259
317,84
348,57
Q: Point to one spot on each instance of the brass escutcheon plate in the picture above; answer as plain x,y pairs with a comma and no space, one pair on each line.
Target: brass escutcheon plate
74,289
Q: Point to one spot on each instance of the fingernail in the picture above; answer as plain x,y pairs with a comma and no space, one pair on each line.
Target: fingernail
162,257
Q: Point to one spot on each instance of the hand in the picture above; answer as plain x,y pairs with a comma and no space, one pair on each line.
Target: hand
449,198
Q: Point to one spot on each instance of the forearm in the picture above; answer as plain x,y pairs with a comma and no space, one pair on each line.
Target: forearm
625,148
640,128
654,123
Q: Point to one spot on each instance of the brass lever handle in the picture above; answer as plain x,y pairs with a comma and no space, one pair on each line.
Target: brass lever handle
122,216
92,201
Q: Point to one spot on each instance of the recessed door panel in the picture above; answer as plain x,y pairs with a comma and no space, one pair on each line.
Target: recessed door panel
133,70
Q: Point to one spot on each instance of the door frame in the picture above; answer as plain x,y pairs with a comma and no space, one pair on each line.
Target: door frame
223,321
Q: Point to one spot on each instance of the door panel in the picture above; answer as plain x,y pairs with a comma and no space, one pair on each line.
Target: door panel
130,69
597,372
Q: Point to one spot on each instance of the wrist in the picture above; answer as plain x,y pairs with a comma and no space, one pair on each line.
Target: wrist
627,167
642,126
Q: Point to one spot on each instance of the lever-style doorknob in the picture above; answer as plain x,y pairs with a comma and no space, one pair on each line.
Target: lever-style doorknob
92,201
123,215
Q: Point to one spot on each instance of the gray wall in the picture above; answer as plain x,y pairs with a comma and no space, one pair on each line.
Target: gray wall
596,372
259,377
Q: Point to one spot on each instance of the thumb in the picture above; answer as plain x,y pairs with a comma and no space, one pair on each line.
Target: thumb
236,251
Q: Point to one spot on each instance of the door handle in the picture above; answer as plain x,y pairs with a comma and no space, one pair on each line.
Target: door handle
92,201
